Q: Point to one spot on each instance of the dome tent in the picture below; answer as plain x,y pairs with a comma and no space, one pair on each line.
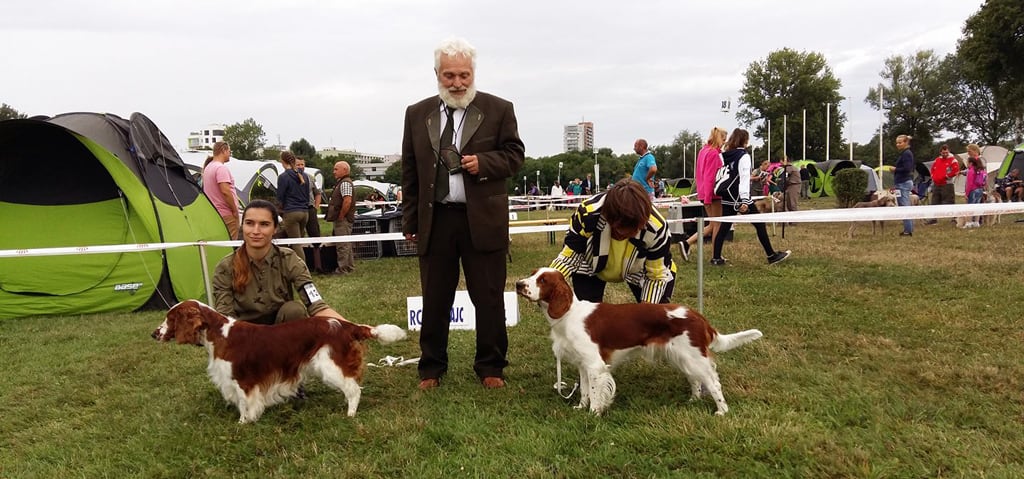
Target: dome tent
107,181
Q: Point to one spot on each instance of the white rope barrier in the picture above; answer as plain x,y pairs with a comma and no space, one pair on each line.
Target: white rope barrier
808,216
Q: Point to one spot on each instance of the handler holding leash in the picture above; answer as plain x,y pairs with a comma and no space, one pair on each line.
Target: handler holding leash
618,236
258,282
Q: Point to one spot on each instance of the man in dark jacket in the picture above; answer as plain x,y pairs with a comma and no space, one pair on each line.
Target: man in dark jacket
458,150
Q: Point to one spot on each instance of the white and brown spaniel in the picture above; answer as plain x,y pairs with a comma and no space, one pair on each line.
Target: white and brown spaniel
256,366
597,336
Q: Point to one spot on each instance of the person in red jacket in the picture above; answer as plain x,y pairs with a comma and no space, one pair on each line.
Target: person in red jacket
944,170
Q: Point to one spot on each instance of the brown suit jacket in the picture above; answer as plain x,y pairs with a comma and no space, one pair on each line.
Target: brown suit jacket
489,131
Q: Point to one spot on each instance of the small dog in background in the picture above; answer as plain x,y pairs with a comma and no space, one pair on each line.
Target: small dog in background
991,197
768,204
878,199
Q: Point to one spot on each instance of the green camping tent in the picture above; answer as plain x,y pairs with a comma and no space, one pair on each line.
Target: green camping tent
88,179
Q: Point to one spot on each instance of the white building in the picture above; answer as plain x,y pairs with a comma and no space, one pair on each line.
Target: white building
372,164
205,138
579,137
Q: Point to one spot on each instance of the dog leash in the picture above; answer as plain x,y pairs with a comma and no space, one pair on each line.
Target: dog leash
391,361
559,384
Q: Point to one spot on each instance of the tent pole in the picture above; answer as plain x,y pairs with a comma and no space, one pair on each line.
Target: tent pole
206,274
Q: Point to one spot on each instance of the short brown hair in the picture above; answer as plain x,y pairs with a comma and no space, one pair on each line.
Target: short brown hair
626,203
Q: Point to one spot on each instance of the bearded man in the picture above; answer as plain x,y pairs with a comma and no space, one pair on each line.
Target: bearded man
459,148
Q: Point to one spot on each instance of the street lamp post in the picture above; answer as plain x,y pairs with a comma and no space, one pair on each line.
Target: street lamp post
538,181
524,184
559,173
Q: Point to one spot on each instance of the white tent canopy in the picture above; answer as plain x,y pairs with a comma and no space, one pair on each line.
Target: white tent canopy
246,172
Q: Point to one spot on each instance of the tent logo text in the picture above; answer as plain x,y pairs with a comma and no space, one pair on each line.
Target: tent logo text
133,287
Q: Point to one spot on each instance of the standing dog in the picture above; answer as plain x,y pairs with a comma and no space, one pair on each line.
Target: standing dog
992,197
597,336
255,366
879,199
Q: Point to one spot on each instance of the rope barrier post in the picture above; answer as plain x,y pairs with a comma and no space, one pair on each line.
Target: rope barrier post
700,264
206,273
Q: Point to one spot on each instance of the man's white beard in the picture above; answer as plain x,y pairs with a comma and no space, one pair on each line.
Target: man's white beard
454,102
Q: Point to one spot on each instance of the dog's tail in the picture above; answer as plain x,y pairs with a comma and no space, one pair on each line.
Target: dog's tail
725,342
387,333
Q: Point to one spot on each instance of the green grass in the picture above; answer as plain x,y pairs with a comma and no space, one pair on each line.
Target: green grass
882,357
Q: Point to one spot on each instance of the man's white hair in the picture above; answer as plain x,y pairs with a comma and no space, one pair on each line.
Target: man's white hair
454,47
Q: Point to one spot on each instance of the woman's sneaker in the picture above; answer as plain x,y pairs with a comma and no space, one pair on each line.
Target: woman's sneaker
778,256
718,261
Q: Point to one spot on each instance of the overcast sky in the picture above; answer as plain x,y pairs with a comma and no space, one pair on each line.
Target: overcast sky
340,73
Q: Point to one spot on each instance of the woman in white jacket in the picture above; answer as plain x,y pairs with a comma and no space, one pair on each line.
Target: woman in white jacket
733,185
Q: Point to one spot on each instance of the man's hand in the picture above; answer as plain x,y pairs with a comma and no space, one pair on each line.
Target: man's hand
411,237
471,164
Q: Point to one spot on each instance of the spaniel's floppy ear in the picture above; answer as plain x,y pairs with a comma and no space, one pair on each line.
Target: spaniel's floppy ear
559,294
186,320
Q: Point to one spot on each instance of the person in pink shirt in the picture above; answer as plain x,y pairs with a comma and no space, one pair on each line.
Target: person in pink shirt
219,186
976,176
709,160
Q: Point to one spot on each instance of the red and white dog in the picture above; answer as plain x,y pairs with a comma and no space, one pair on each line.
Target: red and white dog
255,366
597,336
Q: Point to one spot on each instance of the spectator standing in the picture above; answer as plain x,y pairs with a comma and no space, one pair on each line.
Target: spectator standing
805,183
313,215
645,168
341,211
902,177
790,185
219,187
588,185
293,194
945,169
556,189
976,180
456,209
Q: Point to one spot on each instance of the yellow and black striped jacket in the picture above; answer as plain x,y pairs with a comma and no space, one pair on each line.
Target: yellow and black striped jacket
648,259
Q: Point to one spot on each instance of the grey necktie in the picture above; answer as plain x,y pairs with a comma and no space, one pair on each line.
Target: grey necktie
447,136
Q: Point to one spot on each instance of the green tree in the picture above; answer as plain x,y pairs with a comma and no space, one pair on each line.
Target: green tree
7,112
245,138
992,52
394,173
303,148
972,109
913,100
671,158
787,83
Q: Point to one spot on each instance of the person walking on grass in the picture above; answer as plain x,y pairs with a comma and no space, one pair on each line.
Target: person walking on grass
734,188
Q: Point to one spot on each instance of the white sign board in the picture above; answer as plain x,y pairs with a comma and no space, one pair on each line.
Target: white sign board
462,314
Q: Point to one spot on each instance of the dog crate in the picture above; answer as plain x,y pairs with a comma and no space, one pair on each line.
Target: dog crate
366,249
402,247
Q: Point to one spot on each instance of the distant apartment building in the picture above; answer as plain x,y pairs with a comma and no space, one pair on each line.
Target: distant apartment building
205,138
579,137
373,165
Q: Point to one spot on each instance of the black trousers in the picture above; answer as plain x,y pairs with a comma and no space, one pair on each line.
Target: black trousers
450,244
762,232
591,288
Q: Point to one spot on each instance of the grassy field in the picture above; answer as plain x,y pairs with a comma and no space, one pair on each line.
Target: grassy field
882,357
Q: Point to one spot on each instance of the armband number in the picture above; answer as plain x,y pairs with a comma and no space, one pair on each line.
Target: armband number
312,295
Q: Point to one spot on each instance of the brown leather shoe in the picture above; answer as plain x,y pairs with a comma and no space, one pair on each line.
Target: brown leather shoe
429,383
493,382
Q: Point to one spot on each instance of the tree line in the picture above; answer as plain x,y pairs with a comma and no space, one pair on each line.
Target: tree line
975,94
